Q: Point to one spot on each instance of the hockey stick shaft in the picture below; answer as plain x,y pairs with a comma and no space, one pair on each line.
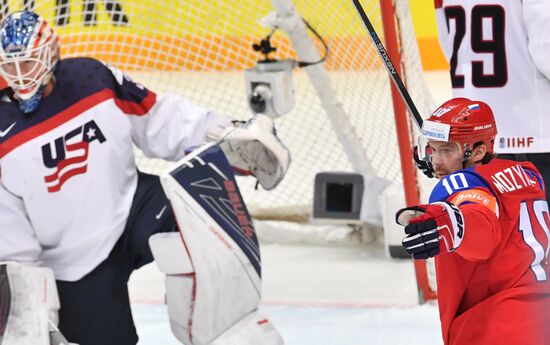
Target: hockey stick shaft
389,65
425,292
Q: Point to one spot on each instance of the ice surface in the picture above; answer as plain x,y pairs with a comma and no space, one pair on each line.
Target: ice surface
331,295
301,325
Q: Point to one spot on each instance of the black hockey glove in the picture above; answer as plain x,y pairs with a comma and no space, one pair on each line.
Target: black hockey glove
426,167
431,229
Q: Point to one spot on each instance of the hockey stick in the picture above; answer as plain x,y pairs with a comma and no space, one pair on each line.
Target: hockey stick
389,65
425,292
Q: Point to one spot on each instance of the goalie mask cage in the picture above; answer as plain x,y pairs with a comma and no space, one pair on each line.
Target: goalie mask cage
201,48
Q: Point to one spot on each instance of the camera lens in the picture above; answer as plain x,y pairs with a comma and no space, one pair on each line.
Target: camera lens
257,102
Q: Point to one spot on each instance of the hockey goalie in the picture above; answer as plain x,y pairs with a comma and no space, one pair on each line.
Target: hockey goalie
77,217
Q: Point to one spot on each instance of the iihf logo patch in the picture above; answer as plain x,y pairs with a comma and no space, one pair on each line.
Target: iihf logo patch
68,154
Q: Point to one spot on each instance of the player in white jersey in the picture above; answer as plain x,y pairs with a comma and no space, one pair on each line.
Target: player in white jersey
498,53
70,193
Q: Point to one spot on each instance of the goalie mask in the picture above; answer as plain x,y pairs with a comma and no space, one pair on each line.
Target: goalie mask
29,52
459,120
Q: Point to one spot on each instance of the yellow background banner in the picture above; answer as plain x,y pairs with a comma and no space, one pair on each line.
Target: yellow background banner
153,45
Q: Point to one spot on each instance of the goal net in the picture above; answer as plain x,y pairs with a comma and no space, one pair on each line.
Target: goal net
201,48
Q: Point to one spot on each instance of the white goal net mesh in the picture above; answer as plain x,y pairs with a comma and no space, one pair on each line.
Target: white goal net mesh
200,49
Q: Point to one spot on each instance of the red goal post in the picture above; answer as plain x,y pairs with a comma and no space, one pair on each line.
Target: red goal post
405,134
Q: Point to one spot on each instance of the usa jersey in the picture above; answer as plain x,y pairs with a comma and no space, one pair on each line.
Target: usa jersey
495,288
67,171
498,53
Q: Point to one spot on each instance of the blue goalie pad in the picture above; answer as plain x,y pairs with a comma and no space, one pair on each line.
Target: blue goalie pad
209,179
214,274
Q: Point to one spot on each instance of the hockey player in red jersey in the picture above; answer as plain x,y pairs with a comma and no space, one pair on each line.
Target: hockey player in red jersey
498,53
487,225
72,199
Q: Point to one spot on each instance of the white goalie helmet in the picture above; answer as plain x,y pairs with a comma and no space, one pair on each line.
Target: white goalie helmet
29,52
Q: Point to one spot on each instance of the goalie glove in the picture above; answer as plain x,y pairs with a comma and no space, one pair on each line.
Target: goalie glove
431,228
253,148
426,167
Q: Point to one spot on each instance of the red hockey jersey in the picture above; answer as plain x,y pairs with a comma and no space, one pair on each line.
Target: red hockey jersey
495,289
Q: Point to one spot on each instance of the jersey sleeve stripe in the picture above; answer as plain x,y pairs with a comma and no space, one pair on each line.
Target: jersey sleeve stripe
533,174
138,109
476,196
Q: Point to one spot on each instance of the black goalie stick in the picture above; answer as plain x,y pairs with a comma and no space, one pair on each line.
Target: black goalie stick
389,65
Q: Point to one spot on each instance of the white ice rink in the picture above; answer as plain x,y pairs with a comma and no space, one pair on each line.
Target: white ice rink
317,295
322,295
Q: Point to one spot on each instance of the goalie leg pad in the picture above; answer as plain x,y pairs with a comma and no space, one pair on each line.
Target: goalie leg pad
180,299
219,282
253,329
172,259
29,301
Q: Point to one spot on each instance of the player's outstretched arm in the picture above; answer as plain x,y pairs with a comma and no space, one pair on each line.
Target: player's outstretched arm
166,126
173,125
162,125
471,230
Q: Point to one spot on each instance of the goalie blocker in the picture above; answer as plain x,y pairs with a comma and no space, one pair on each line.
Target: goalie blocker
213,267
